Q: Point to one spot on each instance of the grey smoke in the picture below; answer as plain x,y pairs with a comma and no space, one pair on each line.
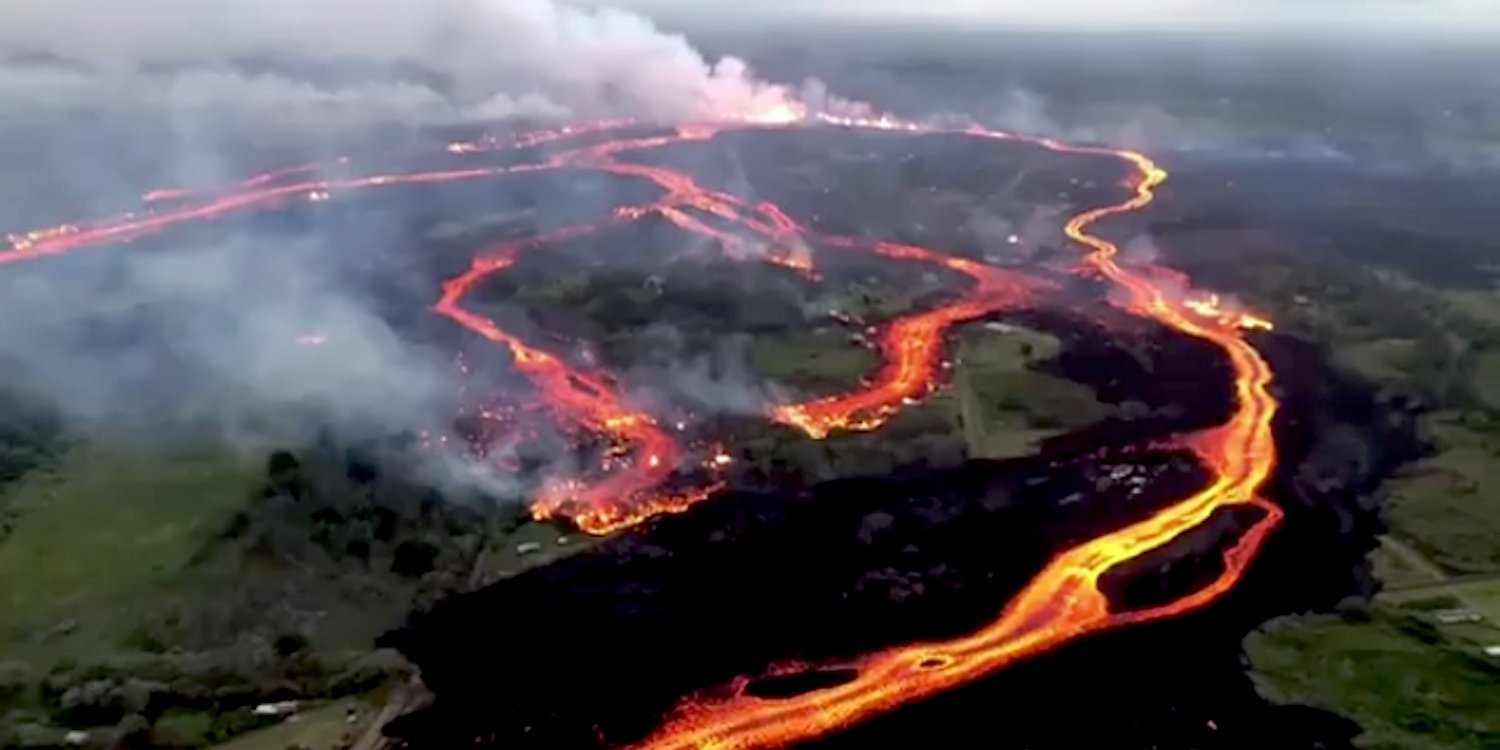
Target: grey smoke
720,381
213,335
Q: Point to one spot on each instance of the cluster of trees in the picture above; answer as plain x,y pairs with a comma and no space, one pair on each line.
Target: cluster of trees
356,505
183,700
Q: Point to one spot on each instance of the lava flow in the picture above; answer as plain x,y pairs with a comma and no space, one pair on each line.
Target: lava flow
626,496
909,347
631,493
1061,603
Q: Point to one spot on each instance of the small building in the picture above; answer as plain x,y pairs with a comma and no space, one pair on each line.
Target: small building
278,709
1492,651
1457,616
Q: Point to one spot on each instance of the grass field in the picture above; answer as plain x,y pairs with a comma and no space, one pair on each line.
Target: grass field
1381,360
1484,597
1484,378
1448,506
815,360
1397,565
99,539
1480,595
1404,681
1006,407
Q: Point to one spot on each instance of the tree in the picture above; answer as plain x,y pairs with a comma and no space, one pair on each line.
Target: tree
414,558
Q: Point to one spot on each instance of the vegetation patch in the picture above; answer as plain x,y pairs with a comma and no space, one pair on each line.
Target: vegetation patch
1006,406
1448,506
100,538
819,361
1384,361
1407,684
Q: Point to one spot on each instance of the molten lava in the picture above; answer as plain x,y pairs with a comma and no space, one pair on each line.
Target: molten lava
910,346
1063,602
641,476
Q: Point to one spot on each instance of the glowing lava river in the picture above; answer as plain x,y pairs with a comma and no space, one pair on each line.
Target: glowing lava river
646,477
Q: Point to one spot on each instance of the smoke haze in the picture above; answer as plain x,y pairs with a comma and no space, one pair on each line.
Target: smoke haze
99,101
338,63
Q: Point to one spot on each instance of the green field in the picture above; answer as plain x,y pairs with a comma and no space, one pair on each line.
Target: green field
100,539
1480,595
1006,406
822,361
1484,378
1405,682
1397,565
1448,506
1382,360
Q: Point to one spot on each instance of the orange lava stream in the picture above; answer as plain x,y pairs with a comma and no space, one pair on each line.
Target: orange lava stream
910,347
1063,602
627,495
69,237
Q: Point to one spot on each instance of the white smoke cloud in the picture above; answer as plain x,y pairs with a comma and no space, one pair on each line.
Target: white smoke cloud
290,63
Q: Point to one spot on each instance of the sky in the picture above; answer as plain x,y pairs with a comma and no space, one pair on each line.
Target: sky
1393,16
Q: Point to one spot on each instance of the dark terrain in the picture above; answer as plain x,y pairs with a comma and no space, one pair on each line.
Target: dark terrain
599,645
